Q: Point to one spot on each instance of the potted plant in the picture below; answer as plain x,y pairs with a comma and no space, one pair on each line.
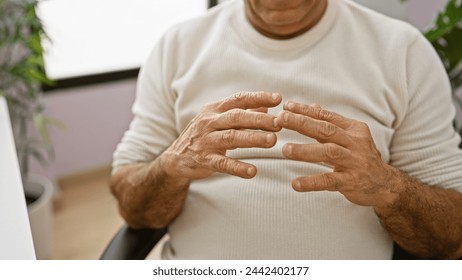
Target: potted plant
22,74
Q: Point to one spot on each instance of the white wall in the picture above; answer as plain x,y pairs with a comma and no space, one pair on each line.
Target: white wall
393,8
420,13
96,117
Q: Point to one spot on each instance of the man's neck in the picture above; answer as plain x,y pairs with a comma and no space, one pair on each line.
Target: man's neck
283,32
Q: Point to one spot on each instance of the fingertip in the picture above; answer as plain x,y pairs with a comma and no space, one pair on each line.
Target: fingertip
251,172
287,150
271,139
276,96
275,100
297,186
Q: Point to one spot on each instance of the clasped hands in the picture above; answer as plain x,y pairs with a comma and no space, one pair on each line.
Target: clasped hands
242,121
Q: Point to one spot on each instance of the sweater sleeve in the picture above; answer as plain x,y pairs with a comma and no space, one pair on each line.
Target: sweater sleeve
425,144
153,126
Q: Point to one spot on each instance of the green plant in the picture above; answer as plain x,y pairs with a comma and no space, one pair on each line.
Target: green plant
445,34
22,73
446,38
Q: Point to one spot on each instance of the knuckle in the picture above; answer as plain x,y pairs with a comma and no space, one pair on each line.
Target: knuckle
306,110
329,181
363,126
259,118
300,120
332,152
202,121
364,132
325,115
235,168
239,96
228,136
326,129
220,164
250,137
234,116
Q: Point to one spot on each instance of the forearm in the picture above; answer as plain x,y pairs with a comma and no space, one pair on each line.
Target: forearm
424,220
147,196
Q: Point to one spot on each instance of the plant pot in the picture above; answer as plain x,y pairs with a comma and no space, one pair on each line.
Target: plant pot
39,193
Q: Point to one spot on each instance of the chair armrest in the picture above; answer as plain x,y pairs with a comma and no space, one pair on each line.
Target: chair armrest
132,244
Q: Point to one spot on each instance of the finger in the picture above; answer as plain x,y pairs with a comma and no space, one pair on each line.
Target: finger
322,131
323,182
316,112
237,118
231,166
329,153
261,110
247,100
233,139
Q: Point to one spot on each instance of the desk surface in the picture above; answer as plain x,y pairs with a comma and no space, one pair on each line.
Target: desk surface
15,235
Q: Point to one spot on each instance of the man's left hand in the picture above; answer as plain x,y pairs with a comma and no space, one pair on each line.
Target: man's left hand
359,172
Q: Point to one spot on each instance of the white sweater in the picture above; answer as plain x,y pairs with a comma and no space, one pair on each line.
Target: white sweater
355,62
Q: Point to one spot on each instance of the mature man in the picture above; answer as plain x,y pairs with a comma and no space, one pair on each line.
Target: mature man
364,137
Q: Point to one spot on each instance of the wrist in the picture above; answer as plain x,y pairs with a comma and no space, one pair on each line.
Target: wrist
395,185
168,169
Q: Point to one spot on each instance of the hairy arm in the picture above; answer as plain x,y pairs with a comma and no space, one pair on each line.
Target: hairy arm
147,196
424,220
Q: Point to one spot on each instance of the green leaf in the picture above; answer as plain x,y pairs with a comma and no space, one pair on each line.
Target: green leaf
446,38
42,123
447,21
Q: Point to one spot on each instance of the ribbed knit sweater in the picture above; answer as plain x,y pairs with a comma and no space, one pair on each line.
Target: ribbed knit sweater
355,62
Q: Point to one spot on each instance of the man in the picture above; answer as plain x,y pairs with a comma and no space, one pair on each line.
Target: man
350,108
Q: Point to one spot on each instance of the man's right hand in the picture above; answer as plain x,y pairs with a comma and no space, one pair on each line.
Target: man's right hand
234,122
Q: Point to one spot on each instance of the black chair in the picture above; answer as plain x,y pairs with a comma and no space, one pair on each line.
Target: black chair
132,244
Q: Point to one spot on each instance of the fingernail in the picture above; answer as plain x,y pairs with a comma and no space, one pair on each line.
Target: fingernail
290,105
297,185
275,96
269,138
289,150
250,171
275,122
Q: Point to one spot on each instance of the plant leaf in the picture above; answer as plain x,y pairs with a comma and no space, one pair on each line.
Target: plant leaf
447,21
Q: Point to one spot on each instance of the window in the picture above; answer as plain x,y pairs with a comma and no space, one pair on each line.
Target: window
90,37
